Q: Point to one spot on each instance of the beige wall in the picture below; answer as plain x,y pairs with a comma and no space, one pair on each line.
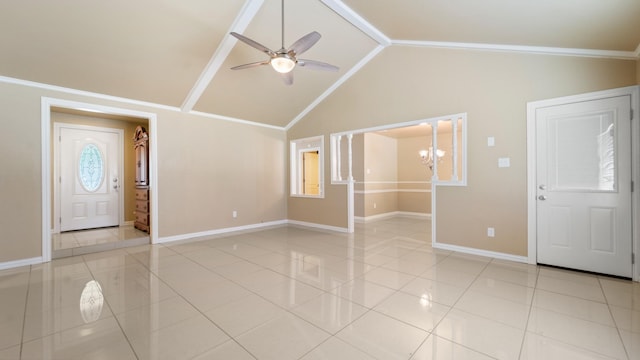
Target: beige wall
380,173
394,178
128,126
20,180
413,176
206,169
410,83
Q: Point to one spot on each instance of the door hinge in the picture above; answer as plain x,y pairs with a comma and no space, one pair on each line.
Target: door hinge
60,220
631,114
59,138
631,186
633,258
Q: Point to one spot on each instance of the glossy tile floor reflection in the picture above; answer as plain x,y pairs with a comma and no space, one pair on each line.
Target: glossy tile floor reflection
93,240
293,293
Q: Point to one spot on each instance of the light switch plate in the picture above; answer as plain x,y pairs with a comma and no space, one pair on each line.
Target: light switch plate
491,141
504,162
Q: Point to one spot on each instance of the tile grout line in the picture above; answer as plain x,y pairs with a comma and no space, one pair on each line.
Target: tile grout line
604,294
453,306
24,315
179,294
84,260
526,324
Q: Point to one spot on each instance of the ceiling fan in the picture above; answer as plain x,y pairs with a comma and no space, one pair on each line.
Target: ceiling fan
284,60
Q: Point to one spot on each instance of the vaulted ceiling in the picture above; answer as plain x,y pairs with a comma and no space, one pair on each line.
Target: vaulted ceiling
178,53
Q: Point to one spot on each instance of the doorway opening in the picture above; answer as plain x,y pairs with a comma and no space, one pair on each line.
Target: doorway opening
388,172
62,239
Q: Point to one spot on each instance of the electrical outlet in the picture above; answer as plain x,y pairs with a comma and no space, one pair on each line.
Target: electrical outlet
234,214
491,232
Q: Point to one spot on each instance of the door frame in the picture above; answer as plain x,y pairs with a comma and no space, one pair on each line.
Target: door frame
57,199
631,91
47,104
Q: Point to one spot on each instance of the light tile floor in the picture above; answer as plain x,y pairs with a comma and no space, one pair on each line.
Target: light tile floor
94,240
293,293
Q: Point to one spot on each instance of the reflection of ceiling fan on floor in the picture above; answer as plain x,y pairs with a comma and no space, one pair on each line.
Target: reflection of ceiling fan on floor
284,60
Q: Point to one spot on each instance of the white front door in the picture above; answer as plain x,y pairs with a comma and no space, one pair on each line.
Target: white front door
583,171
89,177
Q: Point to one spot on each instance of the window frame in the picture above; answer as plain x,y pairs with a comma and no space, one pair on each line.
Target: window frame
296,148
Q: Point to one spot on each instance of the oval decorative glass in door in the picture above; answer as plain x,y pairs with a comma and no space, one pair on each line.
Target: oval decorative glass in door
91,168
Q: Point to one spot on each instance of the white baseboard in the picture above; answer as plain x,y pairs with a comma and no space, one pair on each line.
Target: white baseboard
128,223
21,262
167,239
388,215
317,226
480,252
414,215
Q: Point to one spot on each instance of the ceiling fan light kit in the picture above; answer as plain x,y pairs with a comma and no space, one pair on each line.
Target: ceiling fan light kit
285,60
282,63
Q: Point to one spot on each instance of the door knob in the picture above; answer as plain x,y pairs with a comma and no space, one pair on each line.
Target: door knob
542,197
542,187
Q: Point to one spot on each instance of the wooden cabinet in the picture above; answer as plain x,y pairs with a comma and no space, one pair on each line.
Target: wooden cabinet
141,146
142,208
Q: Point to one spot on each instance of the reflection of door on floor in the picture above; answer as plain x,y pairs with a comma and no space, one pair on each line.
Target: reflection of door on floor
89,177
584,185
311,178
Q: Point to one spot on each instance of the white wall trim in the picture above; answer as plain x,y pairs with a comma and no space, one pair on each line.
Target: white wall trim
480,252
235,120
66,90
389,215
393,182
543,50
21,262
399,125
31,84
317,226
393,191
45,123
634,93
190,236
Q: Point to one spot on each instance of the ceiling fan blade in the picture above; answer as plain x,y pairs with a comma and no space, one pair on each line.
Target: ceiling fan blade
317,65
254,44
287,77
247,66
305,43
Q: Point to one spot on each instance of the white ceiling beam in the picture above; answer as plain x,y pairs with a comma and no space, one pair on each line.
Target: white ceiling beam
358,21
246,15
594,53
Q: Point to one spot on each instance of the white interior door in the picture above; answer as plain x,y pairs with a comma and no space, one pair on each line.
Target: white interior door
584,186
89,179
